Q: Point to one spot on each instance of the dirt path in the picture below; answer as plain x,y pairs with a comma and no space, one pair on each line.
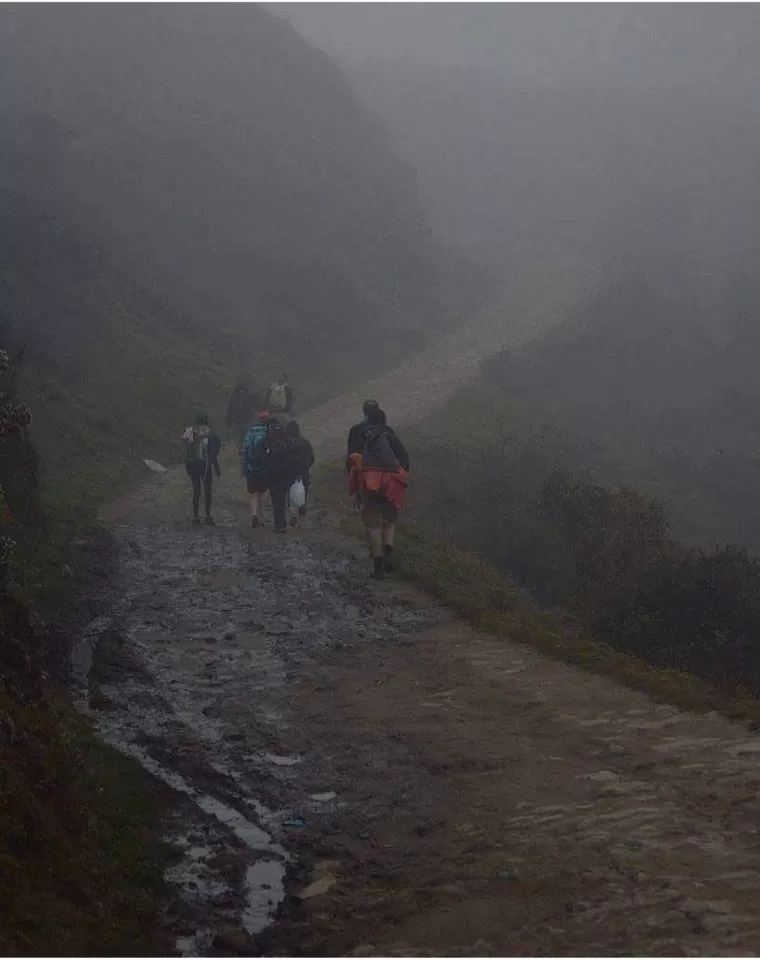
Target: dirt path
428,789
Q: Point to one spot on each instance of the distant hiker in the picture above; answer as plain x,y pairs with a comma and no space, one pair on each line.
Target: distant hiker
201,448
305,463
242,408
255,464
378,478
279,398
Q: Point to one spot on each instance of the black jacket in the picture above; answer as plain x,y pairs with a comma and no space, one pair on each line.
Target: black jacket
356,444
242,406
290,458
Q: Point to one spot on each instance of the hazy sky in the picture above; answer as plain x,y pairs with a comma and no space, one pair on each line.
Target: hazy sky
639,43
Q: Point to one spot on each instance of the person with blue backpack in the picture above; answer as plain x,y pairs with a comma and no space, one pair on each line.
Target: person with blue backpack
256,464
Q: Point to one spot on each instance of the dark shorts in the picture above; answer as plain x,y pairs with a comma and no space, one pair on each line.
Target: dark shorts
377,510
257,484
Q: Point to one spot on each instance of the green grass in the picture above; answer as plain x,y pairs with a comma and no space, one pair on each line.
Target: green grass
488,599
81,868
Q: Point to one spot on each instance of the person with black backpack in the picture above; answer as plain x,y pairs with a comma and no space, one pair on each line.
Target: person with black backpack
378,466
286,465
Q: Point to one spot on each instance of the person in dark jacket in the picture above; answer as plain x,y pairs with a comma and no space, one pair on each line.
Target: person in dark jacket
378,464
356,433
201,448
286,460
242,408
305,464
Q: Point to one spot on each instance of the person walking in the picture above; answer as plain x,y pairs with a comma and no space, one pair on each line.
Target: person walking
201,447
279,398
378,466
305,458
242,407
287,460
255,463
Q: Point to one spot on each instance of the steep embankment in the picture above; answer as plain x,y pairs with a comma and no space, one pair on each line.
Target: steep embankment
188,194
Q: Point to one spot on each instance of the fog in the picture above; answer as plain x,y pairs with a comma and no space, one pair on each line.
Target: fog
591,127
620,143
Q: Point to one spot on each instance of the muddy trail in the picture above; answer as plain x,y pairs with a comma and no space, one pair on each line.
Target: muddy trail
357,772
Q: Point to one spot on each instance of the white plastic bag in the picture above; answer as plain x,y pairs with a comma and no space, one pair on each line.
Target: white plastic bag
297,495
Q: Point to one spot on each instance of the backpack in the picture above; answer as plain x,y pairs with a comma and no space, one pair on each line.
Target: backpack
377,452
255,448
195,441
278,397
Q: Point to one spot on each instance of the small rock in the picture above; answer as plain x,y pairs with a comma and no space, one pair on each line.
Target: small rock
319,887
234,939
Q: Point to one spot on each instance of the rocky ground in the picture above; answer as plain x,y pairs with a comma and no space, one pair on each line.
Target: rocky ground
358,772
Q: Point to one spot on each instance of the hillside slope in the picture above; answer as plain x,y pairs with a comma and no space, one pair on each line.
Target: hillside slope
189,192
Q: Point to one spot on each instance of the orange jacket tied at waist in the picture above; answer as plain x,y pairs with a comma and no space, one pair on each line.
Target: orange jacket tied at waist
391,484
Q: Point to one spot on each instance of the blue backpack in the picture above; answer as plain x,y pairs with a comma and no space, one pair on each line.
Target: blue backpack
255,449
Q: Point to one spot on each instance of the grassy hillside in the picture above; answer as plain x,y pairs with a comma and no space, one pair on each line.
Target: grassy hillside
496,478
187,195
81,866
662,374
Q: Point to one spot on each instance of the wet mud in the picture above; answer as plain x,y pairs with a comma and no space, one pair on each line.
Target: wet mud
359,773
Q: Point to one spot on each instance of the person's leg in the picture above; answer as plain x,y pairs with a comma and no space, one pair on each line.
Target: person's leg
257,505
207,491
390,515
279,495
373,522
306,482
195,479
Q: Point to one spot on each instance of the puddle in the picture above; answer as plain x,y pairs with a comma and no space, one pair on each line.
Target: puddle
281,761
264,882
264,889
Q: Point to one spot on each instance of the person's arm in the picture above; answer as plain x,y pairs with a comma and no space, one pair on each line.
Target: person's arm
353,445
288,399
231,407
399,449
215,446
309,455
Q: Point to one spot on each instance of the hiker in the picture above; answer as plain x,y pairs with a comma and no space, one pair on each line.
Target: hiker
279,399
378,477
290,455
241,409
255,464
356,433
201,448
305,463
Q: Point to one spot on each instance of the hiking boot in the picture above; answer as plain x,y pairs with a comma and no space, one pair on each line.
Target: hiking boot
280,529
196,521
255,521
379,569
302,511
209,521
388,563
